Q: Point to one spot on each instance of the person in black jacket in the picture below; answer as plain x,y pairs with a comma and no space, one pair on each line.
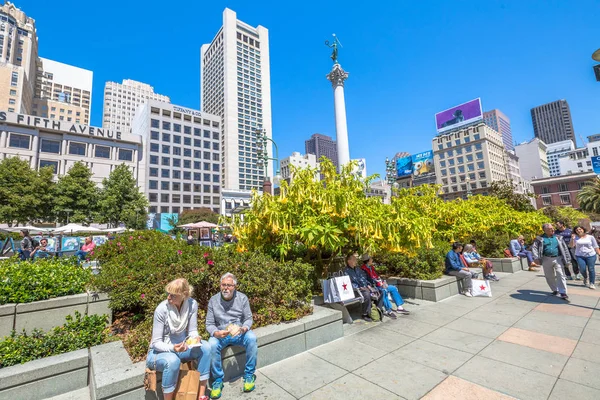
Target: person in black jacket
360,281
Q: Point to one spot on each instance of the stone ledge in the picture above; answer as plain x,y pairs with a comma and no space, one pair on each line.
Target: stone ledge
57,302
42,368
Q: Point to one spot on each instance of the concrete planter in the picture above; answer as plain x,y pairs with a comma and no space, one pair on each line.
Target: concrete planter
510,265
47,314
432,290
112,375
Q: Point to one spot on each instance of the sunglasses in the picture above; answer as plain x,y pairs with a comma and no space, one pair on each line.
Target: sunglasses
227,285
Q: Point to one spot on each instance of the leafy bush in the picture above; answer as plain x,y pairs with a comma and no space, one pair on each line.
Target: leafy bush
492,245
423,264
27,281
568,215
136,268
77,333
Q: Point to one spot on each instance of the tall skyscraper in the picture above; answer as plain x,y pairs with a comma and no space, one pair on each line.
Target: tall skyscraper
18,59
552,122
236,86
496,120
322,145
121,100
63,92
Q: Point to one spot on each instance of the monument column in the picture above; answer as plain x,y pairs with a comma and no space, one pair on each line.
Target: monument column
338,76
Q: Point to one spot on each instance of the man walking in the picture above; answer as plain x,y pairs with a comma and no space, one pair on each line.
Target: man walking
565,233
553,253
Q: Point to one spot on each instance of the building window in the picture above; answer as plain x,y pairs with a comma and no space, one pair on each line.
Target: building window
177,127
154,135
166,137
595,151
14,79
50,146
154,172
154,147
480,165
153,185
563,187
545,190
176,198
176,174
154,160
165,185
176,162
166,161
166,126
165,173
19,141
77,148
579,165
164,198
547,200
166,149
177,139
102,152
153,197
48,163
155,123
565,199
164,209
125,155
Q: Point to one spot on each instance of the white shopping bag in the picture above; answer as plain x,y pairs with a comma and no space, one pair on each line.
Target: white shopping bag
481,288
337,289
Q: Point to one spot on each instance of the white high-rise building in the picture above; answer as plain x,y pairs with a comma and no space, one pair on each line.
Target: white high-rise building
298,161
533,161
235,85
555,151
121,100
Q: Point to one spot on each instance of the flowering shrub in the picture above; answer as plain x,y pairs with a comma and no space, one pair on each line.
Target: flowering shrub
44,278
136,269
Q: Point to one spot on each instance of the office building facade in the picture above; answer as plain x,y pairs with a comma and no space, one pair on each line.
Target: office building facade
63,92
322,145
499,122
59,144
121,100
561,190
468,160
552,122
180,166
235,85
554,151
533,162
297,161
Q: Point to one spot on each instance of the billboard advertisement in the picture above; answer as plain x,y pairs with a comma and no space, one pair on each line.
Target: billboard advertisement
458,116
404,166
423,163
161,221
596,164
361,168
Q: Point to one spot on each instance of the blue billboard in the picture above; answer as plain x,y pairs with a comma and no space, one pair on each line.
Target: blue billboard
596,164
404,166
161,221
423,163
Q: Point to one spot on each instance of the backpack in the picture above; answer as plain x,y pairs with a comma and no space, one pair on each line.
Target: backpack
507,253
376,314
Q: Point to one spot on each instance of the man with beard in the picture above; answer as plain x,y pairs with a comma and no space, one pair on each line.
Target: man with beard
228,321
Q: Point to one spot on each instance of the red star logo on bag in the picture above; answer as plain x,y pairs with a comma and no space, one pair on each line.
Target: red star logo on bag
345,286
482,287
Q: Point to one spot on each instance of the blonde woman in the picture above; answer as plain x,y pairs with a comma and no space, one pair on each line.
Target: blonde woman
176,319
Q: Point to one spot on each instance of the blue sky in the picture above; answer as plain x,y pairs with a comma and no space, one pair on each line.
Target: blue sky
407,60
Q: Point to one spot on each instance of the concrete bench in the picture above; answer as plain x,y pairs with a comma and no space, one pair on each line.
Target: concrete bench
430,290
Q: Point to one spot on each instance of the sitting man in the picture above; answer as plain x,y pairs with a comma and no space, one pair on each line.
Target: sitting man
228,321
518,249
360,281
474,259
383,287
41,251
455,267
88,246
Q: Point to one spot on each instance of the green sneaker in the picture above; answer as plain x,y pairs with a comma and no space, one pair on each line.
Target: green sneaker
249,383
216,390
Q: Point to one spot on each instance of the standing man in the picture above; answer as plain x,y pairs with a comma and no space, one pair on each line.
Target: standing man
228,321
565,233
360,282
518,249
555,258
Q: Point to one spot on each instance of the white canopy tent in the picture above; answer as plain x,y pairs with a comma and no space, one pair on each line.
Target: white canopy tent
31,229
201,224
72,228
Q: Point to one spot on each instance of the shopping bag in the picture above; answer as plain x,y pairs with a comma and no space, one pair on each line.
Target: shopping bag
481,288
188,383
337,288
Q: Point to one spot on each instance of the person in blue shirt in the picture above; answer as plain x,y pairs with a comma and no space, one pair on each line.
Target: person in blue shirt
360,282
518,249
555,257
455,267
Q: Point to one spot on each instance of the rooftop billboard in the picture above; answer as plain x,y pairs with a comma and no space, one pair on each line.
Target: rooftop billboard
417,165
458,116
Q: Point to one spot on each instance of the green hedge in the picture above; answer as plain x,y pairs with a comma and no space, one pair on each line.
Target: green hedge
137,266
424,264
27,281
77,333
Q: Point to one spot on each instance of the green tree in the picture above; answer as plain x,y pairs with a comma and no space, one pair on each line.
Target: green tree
25,194
121,200
506,191
197,215
77,192
589,197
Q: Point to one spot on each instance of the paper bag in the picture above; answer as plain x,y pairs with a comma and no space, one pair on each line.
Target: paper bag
188,383
337,289
481,288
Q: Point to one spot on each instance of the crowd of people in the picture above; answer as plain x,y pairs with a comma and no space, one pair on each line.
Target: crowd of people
459,261
175,337
32,249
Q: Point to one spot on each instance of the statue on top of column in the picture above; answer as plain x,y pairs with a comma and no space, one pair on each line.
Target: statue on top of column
334,45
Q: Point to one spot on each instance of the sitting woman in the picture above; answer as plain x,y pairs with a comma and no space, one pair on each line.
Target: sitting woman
383,287
175,326
473,259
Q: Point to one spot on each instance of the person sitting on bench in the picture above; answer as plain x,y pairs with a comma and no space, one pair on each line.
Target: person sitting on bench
384,288
474,259
455,267
518,249
360,282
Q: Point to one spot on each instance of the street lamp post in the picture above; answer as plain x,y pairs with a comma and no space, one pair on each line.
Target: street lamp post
390,171
263,156
469,191
67,210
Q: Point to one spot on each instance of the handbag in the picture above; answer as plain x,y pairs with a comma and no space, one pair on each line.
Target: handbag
481,288
337,288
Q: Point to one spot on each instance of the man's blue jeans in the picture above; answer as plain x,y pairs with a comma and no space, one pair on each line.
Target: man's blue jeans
81,255
247,340
588,265
528,254
169,362
395,295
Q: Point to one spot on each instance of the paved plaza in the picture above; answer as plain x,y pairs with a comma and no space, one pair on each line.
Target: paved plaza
521,343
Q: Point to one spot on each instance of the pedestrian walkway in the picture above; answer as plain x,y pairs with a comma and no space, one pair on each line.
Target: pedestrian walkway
522,343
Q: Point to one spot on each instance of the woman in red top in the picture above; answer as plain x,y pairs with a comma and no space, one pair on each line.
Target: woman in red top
383,287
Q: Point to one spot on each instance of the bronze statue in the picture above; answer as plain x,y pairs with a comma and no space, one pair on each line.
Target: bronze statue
334,46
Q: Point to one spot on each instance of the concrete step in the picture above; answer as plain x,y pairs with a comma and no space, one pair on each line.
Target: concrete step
79,394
